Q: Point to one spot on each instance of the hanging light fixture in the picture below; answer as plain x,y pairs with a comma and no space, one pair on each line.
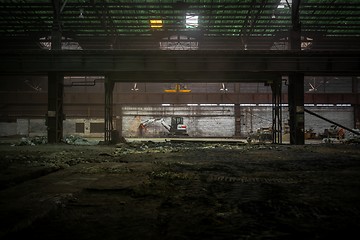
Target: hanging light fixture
156,23
223,87
81,15
135,88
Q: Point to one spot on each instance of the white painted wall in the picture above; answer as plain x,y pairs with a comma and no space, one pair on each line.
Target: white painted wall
201,121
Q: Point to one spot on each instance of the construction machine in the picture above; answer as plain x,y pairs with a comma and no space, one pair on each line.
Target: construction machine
176,128
333,132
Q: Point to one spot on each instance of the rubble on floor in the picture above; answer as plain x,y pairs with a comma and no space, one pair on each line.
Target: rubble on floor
39,140
353,138
182,190
32,141
349,138
77,140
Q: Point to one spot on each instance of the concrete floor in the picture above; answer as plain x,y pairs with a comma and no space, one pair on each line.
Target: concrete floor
179,190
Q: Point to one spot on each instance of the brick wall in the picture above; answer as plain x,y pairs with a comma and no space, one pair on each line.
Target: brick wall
201,121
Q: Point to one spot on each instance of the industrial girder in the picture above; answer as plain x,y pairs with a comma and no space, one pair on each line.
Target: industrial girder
167,66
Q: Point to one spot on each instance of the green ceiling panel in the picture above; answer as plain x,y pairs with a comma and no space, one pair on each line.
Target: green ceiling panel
243,21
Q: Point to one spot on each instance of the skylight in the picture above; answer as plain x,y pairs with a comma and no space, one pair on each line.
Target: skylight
192,20
284,3
66,43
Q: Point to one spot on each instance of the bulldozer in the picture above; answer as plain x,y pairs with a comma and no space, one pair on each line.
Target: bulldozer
176,128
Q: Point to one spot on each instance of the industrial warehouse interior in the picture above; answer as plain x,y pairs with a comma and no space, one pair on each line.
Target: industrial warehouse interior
179,119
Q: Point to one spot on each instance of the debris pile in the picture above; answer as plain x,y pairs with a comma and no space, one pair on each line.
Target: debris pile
173,146
38,140
353,138
77,140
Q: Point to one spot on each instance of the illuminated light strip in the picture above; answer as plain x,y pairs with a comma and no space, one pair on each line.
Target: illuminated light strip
156,23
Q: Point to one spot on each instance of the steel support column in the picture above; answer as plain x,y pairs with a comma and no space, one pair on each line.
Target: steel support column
355,86
357,116
56,33
296,83
119,120
109,87
55,114
276,111
296,108
237,120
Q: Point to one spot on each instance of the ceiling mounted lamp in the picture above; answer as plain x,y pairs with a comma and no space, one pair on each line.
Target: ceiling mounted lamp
223,88
273,15
81,15
135,88
156,23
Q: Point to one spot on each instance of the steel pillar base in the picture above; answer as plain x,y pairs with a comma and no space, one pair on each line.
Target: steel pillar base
296,108
276,111
109,87
55,114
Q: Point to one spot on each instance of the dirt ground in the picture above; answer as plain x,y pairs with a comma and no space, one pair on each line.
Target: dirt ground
180,190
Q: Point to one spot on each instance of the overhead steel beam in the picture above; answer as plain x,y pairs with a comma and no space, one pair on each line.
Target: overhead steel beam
227,15
19,98
315,63
190,76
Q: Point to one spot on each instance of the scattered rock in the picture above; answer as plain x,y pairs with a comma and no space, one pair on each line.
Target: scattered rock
32,141
76,140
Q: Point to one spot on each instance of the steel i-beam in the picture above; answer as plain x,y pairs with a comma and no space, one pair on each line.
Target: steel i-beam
55,114
296,83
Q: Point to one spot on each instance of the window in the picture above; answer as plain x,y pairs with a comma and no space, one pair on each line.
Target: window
97,127
79,127
192,21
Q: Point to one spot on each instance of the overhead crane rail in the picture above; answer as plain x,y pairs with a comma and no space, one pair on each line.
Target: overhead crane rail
228,63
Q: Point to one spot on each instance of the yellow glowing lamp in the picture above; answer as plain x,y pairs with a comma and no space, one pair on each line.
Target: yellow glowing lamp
156,23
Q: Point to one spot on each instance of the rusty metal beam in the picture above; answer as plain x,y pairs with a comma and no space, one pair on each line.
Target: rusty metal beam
13,99
123,65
